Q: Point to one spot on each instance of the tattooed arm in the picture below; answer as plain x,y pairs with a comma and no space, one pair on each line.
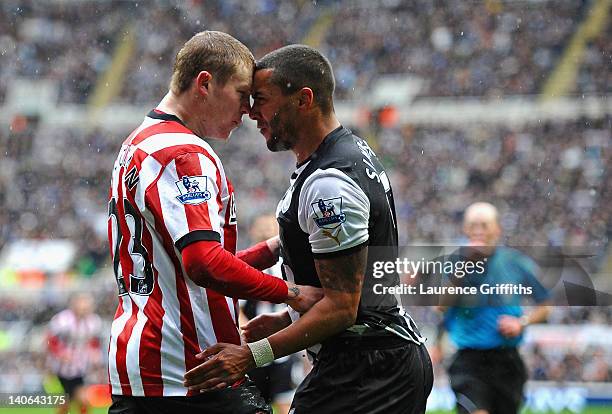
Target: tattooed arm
341,278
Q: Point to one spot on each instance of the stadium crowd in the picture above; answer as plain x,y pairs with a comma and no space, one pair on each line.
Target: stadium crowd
595,77
457,48
591,365
33,39
550,180
62,194
264,26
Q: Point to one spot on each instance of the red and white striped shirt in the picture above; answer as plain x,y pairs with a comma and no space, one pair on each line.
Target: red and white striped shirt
168,190
74,343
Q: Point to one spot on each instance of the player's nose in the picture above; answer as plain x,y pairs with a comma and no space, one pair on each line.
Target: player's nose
254,113
245,108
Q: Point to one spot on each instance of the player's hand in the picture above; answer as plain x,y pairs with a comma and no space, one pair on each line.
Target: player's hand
223,365
265,325
509,326
301,297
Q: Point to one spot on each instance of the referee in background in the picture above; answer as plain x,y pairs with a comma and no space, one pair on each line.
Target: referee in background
487,373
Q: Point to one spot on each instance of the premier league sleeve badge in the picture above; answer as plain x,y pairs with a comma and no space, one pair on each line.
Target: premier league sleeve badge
193,189
328,213
328,216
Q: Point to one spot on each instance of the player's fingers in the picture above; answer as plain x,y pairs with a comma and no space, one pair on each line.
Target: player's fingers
250,331
211,384
219,386
249,334
246,335
253,323
211,350
203,376
220,371
202,369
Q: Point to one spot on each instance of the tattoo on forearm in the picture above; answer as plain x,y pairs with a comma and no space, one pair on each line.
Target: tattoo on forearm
295,291
344,273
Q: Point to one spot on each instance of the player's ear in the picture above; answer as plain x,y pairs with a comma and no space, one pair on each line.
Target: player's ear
203,82
305,98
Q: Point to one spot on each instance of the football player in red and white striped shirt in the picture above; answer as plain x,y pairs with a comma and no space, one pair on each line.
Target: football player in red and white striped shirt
74,348
172,235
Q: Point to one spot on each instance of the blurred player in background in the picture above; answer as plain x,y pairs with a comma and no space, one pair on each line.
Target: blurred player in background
274,380
172,233
487,374
74,348
337,216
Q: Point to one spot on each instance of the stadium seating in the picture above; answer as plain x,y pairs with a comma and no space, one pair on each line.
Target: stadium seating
550,179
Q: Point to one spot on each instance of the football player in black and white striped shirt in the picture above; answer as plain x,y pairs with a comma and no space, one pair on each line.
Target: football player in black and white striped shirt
336,219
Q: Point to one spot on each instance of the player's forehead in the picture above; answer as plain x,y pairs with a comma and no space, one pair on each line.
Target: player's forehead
242,77
262,82
479,221
486,223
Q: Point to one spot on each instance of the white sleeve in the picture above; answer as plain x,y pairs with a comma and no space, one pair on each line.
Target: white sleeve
334,211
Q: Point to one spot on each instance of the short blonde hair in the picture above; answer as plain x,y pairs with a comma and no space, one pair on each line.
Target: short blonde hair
215,52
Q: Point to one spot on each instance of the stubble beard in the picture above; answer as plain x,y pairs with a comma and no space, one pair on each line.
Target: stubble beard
283,134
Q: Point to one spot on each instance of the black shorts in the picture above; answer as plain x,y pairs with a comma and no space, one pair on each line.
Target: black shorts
491,380
273,379
244,399
70,385
369,375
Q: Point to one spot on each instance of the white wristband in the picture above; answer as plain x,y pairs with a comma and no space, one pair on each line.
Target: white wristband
262,352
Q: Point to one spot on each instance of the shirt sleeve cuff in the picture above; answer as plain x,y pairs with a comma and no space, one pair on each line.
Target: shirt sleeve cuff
338,253
197,235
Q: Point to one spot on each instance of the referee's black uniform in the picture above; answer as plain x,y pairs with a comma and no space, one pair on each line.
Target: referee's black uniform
339,200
